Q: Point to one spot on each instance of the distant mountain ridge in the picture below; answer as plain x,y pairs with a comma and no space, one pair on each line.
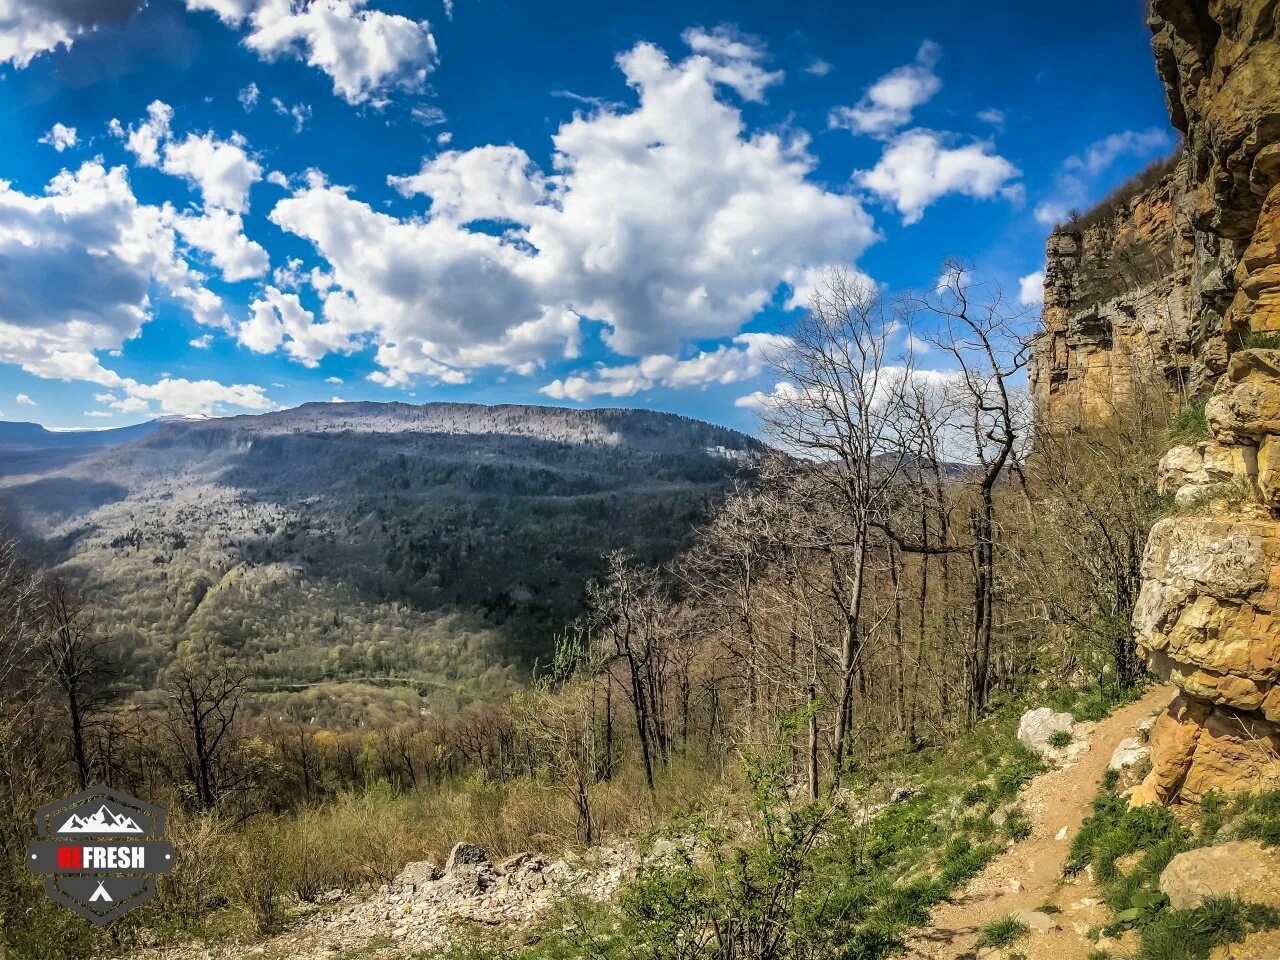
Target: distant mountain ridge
439,542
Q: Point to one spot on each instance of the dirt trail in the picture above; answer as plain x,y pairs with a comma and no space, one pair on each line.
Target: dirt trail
1029,874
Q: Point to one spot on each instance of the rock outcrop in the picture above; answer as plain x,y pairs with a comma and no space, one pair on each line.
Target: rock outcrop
1241,869
1208,617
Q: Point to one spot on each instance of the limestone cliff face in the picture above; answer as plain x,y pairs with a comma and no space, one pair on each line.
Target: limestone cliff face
1208,617
1118,306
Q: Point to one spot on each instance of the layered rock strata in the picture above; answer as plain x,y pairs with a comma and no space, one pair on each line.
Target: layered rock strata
1208,617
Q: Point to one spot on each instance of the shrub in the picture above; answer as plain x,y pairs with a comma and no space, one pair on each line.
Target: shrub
1060,738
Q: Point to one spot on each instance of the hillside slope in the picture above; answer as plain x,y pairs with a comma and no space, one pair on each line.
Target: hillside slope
444,543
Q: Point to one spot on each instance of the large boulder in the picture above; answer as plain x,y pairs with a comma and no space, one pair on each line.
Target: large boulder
1242,869
1037,727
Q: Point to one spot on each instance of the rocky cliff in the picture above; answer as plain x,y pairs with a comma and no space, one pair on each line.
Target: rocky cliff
1208,617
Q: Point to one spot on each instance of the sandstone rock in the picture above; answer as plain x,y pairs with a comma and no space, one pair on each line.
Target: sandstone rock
1173,745
1038,726
1247,401
1196,473
1236,753
1130,751
1269,471
1241,869
466,855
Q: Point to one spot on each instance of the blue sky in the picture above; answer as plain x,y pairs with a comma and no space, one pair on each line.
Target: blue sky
228,206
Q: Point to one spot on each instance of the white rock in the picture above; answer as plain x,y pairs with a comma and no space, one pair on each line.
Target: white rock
1062,834
1037,726
1131,750
1038,921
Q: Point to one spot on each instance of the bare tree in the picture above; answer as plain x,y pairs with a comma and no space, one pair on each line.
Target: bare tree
848,368
202,701
76,652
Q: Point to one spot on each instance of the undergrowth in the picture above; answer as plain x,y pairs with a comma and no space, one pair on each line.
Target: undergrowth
809,881
1128,849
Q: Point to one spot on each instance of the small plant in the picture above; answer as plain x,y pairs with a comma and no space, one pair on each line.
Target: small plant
1099,955
1259,340
1002,933
1190,424
1060,738
1049,908
1017,825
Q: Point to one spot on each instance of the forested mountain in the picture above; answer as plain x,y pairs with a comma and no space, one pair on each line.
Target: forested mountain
442,544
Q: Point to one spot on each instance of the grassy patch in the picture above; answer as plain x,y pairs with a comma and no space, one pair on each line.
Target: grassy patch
1190,424
1257,340
1060,739
1002,933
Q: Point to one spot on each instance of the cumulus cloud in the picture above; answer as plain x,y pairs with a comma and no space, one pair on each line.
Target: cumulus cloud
818,68
221,235
278,319
222,170
29,28
735,60
745,358
60,137
77,265
202,342
666,221
918,167
176,397
888,103
24,400
992,116
366,53
1031,289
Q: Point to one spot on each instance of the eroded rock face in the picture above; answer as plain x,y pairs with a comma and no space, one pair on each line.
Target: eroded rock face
1208,616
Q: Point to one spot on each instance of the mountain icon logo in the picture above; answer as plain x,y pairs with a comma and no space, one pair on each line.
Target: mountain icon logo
101,822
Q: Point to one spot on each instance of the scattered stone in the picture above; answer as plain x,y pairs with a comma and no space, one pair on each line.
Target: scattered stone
1241,868
1014,886
1061,834
1037,920
902,793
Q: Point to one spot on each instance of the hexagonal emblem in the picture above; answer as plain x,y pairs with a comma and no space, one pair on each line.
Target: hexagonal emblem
100,852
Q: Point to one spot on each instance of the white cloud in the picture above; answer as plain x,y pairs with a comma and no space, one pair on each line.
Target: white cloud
429,115
299,112
334,380
746,358
917,168
291,276
889,102
1031,289
992,116
279,319
818,68
99,413
735,61
666,221
221,235
77,266
1073,186
60,137
1101,154
366,53
222,170
178,397
29,28
24,400
760,400
444,139
202,342
248,97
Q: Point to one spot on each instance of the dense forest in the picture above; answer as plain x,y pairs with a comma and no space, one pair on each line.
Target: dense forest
899,567
435,547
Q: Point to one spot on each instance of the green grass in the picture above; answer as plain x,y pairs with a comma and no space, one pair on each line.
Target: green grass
1002,933
1190,424
1114,832
1255,340
1060,738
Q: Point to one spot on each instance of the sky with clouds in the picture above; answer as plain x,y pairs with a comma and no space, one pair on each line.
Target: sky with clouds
229,206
